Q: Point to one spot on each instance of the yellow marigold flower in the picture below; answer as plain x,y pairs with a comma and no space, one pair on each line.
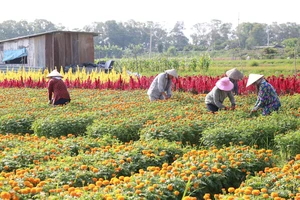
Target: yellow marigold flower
274,194
265,196
255,192
231,189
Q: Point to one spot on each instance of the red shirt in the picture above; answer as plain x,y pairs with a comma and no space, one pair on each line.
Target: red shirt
58,88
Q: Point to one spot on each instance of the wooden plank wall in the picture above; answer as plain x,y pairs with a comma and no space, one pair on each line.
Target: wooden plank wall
49,52
55,49
1,53
59,50
75,49
86,48
37,49
72,48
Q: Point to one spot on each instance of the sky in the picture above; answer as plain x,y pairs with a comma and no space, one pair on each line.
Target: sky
77,14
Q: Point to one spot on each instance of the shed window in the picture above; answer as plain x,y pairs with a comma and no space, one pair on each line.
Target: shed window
18,56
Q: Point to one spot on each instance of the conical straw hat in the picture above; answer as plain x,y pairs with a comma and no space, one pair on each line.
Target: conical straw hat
54,73
235,74
172,72
253,78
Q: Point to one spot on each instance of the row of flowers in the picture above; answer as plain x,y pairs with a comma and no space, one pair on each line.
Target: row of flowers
106,169
56,160
195,84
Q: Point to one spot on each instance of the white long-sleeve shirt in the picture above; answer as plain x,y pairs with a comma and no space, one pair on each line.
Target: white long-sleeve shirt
160,84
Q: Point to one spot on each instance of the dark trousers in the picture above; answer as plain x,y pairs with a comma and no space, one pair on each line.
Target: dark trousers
62,101
211,107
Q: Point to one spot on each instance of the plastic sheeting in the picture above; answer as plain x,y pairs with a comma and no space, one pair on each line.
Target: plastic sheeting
13,54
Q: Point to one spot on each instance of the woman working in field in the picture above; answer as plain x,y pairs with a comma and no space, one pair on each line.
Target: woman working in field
267,98
235,75
215,98
58,89
161,86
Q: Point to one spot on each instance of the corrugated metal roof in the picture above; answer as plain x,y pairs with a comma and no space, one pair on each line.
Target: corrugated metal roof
48,32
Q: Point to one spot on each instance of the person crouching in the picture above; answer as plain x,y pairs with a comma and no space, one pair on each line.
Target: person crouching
58,89
215,98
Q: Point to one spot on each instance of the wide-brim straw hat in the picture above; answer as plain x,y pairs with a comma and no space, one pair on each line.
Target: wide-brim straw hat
172,72
225,84
54,73
235,74
253,78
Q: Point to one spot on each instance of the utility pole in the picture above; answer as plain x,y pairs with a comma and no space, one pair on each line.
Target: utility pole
150,46
268,39
240,44
295,60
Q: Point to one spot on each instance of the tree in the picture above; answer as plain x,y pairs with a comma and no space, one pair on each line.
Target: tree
214,34
200,36
177,37
292,47
172,51
42,25
116,33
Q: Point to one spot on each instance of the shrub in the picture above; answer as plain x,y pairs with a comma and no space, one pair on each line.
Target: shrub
288,143
259,131
254,64
56,126
124,129
180,131
16,124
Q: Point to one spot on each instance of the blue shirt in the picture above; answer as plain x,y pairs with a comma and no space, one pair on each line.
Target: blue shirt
267,98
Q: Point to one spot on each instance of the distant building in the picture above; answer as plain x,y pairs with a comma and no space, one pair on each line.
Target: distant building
277,46
48,50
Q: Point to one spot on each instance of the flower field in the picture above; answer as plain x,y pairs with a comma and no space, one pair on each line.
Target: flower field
111,143
289,84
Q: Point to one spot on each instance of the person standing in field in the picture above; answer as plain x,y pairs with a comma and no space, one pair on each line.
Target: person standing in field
161,86
215,98
267,98
235,75
58,89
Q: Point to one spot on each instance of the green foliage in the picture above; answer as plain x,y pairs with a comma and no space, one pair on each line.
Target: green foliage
270,53
259,131
172,51
204,62
123,129
61,125
108,51
288,143
193,64
16,124
184,132
254,63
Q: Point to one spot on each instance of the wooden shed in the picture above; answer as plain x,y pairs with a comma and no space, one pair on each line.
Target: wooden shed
48,50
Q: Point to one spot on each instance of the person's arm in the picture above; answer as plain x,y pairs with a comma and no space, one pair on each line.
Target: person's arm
232,100
50,91
261,96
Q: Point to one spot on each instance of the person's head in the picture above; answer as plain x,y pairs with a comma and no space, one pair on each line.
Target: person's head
234,74
54,74
172,73
254,79
224,84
